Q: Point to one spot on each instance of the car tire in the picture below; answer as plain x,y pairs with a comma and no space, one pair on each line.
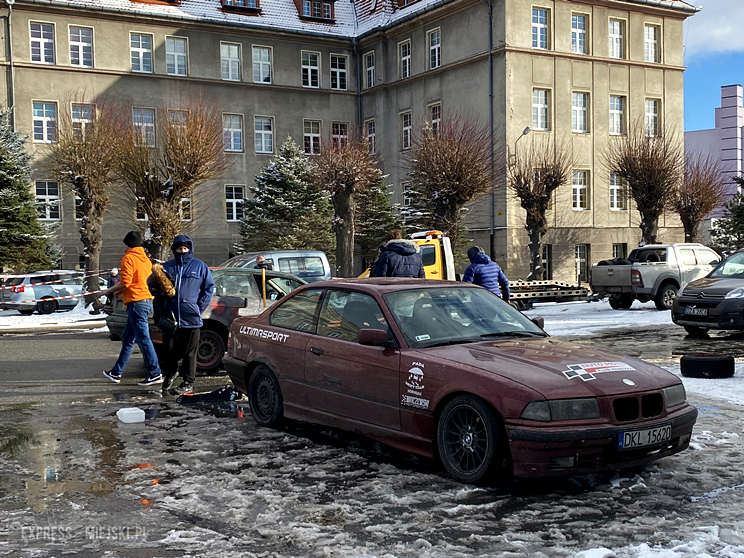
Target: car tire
707,365
210,351
26,312
114,337
265,397
621,302
696,331
664,299
467,439
47,306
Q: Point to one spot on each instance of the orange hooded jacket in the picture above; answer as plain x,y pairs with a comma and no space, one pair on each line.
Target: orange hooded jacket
134,270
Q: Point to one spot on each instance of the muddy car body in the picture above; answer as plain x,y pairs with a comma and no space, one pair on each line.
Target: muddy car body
447,369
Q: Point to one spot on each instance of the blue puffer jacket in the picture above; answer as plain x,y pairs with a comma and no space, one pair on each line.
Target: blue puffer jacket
482,271
194,286
399,258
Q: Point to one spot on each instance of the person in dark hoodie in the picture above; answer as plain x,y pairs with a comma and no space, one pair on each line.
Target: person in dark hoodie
399,258
194,286
486,273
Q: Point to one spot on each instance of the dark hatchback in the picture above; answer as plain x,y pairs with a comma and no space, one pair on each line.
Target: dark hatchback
714,302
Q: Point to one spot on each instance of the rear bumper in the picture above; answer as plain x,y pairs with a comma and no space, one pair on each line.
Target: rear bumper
17,306
556,452
236,370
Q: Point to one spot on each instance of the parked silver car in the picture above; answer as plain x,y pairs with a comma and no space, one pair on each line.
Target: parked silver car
31,287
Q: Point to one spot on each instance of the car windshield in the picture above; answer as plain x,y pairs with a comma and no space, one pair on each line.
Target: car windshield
453,315
733,266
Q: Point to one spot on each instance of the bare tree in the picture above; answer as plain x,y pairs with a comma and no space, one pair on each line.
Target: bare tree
345,168
650,160
83,158
702,190
537,171
161,177
450,166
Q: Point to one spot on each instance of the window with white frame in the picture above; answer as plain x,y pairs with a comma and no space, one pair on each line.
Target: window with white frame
45,122
234,196
618,192
79,213
42,43
405,59
317,9
47,200
579,119
339,66
82,118
435,117
178,117
327,10
652,117
140,206
143,120
232,132
185,209
540,23
620,250
241,3
579,43
617,115
580,190
310,69
262,64
617,38
540,109
312,137
81,47
547,262
230,61
406,127
370,131
263,127
175,56
140,46
369,68
582,256
407,194
306,7
435,48
339,133
651,43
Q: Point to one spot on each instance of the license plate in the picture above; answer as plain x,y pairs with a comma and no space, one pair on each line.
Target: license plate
642,438
695,311
614,289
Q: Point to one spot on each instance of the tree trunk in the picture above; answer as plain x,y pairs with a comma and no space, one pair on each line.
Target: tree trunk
533,232
690,227
649,227
344,206
90,236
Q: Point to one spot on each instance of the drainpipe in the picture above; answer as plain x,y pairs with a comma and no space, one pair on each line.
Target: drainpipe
11,89
492,235
360,124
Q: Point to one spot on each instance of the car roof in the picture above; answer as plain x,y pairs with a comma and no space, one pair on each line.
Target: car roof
255,271
385,285
50,272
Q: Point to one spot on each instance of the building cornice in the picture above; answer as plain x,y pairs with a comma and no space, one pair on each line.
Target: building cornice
594,59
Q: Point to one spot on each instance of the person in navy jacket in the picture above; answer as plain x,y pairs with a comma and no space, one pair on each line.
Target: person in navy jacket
482,271
194,286
398,258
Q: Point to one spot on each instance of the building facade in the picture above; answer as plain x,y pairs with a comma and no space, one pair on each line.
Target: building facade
577,72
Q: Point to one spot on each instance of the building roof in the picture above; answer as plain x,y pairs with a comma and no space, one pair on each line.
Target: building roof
352,19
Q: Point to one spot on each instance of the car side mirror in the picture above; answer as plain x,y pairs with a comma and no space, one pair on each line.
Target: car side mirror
714,263
373,337
539,321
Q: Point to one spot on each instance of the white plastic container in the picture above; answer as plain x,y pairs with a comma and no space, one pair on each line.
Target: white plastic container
131,414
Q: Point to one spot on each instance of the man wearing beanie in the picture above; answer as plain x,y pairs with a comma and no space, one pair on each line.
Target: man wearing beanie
482,271
134,270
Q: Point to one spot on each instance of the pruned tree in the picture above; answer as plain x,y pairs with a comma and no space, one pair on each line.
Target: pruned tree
702,190
163,161
449,167
23,240
650,160
538,170
344,169
287,210
728,233
83,158
375,218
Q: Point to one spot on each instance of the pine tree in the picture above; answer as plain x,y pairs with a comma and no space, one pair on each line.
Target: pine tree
23,241
287,212
728,234
375,218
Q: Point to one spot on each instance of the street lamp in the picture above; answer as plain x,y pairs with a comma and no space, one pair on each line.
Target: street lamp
526,131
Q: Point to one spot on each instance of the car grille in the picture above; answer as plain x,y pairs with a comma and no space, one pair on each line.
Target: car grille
707,302
633,408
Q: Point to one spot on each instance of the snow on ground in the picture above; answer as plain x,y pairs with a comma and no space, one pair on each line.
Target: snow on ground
12,320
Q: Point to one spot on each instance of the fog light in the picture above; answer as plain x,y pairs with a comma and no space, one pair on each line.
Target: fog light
562,462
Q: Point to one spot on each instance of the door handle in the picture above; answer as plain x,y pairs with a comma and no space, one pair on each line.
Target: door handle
434,272
316,350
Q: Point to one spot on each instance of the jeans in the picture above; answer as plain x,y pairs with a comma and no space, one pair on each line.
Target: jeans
137,330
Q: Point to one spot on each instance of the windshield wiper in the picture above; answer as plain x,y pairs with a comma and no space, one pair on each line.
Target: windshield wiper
514,334
452,342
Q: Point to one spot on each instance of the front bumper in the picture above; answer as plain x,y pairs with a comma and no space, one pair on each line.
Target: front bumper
538,452
727,313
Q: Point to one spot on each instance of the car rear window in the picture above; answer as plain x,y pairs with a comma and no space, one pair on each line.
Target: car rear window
303,267
13,281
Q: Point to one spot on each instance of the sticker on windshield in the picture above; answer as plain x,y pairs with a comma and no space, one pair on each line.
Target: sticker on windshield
586,371
423,337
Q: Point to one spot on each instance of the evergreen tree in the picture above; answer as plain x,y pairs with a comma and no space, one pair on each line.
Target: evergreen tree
23,241
375,218
728,234
287,212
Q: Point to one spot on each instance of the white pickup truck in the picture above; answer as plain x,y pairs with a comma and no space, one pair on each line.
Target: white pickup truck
652,272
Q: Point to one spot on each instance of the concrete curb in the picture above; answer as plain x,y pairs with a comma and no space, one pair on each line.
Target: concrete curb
51,328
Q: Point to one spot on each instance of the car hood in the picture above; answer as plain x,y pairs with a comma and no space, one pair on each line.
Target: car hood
558,369
712,286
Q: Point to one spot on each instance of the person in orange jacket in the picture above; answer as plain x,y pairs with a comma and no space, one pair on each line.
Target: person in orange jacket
135,268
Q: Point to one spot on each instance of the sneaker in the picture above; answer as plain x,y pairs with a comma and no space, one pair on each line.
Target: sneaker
183,389
151,381
116,378
168,382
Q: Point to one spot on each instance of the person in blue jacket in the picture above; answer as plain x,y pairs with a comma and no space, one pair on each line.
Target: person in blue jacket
194,286
482,271
399,258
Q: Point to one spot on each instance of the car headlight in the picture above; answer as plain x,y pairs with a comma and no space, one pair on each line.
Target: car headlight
675,395
562,409
736,293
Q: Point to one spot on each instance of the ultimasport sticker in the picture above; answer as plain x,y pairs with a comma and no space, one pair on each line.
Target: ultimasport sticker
587,370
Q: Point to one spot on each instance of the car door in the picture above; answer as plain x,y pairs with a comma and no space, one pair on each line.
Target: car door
689,270
346,378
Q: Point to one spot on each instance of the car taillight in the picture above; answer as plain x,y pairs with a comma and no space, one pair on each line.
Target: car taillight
635,278
17,289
